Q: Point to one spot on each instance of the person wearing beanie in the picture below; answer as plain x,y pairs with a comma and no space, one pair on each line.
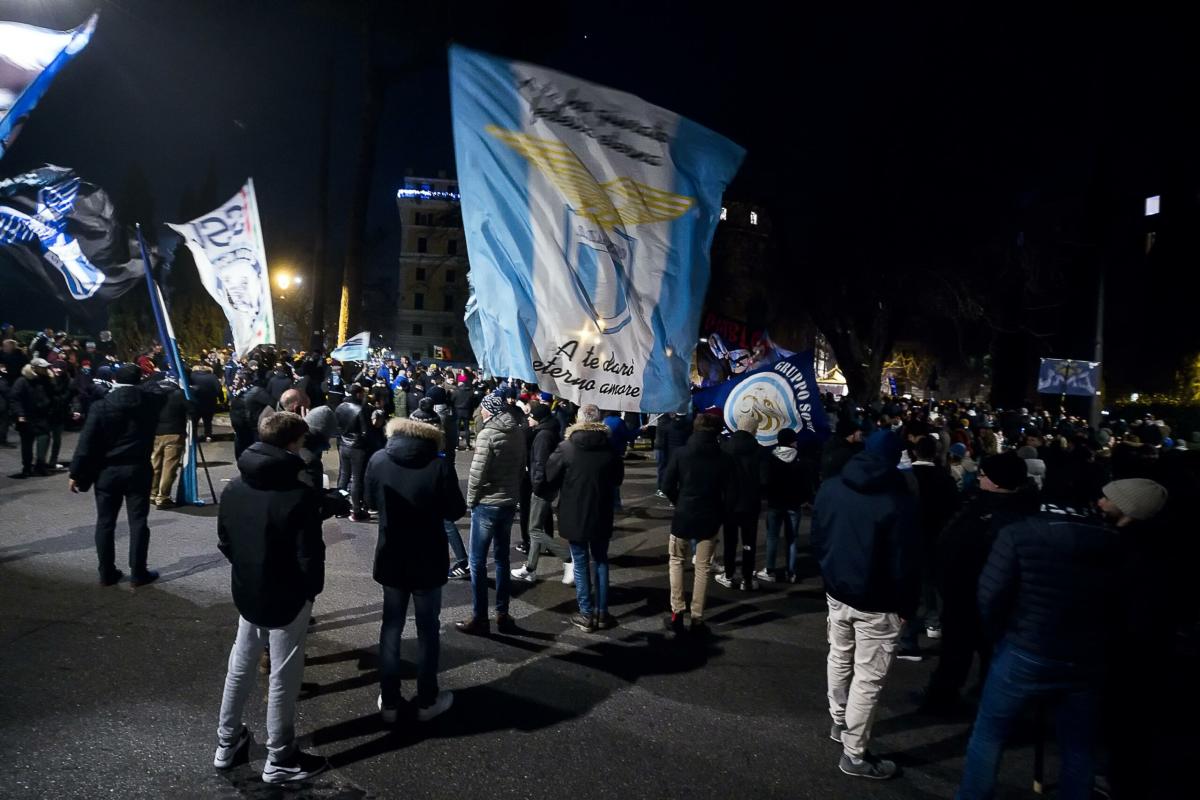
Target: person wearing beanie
446,418
866,538
425,413
545,436
750,476
1132,500
493,488
846,443
1004,496
112,456
1047,598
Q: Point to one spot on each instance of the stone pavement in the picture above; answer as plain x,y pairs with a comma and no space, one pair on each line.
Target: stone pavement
114,692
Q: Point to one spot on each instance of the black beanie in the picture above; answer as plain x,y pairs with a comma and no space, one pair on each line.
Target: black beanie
540,411
1006,470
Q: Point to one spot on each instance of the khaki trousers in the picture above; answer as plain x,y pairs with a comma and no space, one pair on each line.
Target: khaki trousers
862,646
165,458
679,548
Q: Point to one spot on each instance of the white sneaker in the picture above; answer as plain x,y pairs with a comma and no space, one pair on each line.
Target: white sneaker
523,574
225,756
933,633
766,577
568,577
725,581
388,715
444,700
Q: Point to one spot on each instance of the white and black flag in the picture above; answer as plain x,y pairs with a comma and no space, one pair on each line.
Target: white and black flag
62,235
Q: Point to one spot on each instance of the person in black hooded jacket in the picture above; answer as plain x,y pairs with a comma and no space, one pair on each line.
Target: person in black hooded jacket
269,528
587,473
749,479
415,487
280,381
113,455
546,436
698,483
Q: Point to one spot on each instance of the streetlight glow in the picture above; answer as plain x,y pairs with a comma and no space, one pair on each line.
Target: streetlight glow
283,280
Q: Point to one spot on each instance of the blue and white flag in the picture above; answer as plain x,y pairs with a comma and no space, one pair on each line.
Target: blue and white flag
227,246
779,395
29,59
356,348
1066,376
589,215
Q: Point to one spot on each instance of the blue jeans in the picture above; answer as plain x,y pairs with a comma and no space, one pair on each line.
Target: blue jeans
456,542
488,524
1016,678
598,550
790,521
428,607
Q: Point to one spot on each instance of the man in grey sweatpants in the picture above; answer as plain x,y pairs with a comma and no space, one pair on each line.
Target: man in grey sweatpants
269,527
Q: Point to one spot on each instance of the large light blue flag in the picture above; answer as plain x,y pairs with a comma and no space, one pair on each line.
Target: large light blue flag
589,216
29,59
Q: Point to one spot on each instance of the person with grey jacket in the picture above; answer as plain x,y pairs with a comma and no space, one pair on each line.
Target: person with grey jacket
493,488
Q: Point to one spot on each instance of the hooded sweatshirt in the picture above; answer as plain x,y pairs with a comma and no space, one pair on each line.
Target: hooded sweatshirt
789,481
866,538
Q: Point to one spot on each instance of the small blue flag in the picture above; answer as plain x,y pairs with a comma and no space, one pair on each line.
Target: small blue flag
1067,376
354,349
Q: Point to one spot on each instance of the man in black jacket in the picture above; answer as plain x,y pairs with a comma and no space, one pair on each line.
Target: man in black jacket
33,403
846,442
545,438
749,478
670,436
280,381
1047,589
865,537
113,455
269,527
698,482
789,487
205,389
587,473
415,488
465,399
354,418
1005,496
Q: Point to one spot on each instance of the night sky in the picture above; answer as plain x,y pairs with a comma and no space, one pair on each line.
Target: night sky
889,138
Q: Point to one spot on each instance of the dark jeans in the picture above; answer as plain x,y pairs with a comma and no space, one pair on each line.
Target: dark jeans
352,470
490,525
4,423
206,416
464,430
243,437
597,549
660,458
29,436
1015,680
428,607
745,524
130,485
456,542
790,522
56,432
962,637
523,507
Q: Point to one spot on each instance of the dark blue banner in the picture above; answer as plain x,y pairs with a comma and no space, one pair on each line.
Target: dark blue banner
780,395
1066,376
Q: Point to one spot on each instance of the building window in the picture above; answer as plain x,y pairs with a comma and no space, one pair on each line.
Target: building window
418,301
452,247
421,273
447,331
724,212
753,219
450,276
422,245
448,302
417,330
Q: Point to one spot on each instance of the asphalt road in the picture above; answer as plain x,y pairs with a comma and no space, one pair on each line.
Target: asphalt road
114,692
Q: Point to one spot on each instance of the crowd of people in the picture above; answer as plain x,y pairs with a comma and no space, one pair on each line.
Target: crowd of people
999,535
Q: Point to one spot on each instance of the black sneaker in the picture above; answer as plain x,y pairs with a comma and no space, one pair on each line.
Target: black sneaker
585,624
300,766
909,654
835,732
41,470
674,624
147,577
606,621
459,572
112,578
868,767
521,548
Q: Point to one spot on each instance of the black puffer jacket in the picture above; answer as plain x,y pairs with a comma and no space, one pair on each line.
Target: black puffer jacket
175,411
865,537
750,471
119,432
269,527
279,382
254,401
967,540
698,481
415,488
587,473
546,436
1048,586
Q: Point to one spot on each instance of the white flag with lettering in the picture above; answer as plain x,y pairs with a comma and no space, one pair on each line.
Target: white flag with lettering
227,246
